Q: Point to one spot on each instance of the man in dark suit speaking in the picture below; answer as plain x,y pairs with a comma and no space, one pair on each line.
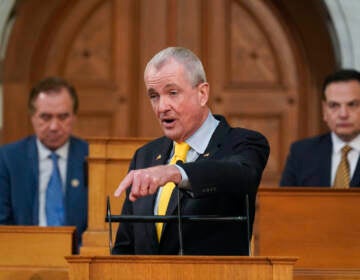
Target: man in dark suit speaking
213,164
331,159
43,176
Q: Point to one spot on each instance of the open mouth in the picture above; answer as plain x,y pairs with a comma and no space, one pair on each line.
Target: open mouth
167,122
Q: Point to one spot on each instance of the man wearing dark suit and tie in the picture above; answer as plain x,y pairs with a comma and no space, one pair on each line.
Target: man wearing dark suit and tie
217,167
320,160
34,188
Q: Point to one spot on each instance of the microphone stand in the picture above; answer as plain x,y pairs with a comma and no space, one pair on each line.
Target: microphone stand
179,218
181,249
108,218
247,223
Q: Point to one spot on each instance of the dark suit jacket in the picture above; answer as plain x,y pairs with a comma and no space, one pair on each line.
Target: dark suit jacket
309,164
231,167
19,177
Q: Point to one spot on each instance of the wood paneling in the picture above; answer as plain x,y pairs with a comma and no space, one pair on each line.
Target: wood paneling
318,225
255,71
255,59
181,267
108,163
30,252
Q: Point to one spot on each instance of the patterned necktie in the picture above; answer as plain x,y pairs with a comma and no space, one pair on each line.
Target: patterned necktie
180,152
54,196
342,177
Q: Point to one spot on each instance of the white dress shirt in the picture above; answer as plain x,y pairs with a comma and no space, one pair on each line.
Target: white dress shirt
45,169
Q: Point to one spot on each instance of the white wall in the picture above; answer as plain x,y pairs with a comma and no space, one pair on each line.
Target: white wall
346,19
5,26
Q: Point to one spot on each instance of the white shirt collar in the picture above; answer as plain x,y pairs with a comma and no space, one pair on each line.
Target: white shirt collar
201,138
338,143
44,152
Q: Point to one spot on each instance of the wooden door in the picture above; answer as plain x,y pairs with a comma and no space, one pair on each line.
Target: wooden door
259,75
254,73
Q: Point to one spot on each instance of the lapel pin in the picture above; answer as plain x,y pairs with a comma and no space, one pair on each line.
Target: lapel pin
158,157
206,155
75,183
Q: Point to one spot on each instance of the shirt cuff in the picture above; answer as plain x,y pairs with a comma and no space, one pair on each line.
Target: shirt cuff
184,183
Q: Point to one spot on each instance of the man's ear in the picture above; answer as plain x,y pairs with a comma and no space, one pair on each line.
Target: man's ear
203,90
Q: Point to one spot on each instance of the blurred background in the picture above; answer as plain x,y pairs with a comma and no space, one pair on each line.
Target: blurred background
265,61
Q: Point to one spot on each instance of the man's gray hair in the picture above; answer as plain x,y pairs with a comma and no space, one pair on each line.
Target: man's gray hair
192,64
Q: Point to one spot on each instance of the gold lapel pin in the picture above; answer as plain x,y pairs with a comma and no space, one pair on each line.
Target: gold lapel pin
206,155
75,183
158,157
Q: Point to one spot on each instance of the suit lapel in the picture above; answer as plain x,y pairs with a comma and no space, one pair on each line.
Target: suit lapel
75,181
32,188
162,152
325,152
72,160
355,180
216,140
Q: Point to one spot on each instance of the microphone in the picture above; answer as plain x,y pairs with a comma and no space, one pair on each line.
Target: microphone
108,216
179,218
181,249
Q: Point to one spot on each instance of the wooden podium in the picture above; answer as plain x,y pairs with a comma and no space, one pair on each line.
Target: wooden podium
31,252
180,267
319,225
108,163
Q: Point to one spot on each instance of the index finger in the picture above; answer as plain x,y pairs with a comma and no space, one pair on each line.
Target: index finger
124,184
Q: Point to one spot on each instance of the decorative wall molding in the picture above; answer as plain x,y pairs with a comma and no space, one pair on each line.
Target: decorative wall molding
342,13
345,17
5,27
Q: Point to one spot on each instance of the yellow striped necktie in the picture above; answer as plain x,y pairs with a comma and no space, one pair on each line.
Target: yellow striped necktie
180,152
342,177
